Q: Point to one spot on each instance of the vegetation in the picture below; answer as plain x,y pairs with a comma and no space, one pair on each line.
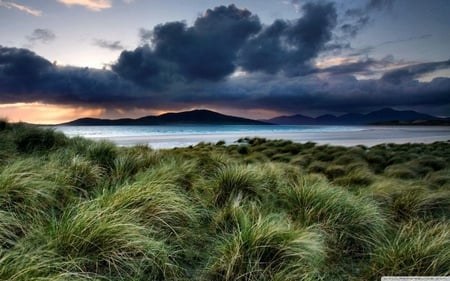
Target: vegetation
74,209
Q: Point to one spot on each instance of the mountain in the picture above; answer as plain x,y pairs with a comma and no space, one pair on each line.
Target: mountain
382,116
195,117
292,120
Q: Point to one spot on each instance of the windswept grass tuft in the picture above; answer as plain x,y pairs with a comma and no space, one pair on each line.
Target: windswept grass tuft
158,204
10,229
265,247
103,153
420,203
30,139
24,263
416,249
400,172
23,189
107,242
439,179
352,223
132,160
231,181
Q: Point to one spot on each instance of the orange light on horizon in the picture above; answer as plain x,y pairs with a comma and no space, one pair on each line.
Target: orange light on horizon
40,113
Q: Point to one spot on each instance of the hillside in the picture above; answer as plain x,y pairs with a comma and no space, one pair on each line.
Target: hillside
376,117
194,117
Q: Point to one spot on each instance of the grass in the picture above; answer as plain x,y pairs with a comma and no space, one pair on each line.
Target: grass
263,247
75,209
352,223
415,249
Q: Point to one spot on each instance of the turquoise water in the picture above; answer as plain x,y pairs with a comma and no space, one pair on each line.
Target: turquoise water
178,136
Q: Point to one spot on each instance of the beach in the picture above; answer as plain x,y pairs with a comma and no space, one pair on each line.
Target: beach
162,137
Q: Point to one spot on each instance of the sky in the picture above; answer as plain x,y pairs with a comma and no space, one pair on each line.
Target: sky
66,59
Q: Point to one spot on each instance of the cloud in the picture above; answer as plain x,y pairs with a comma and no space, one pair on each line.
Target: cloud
289,46
206,51
23,8
228,59
94,5
357,18
41,35
27,77
110,45
224,39
379,4
145,68
145,35
407,39
316,93
411,72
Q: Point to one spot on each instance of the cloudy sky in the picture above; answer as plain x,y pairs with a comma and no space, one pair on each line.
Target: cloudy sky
65,59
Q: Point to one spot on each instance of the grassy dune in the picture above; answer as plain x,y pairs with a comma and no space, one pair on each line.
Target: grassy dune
74,209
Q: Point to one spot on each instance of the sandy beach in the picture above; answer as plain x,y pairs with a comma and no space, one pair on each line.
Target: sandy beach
344,136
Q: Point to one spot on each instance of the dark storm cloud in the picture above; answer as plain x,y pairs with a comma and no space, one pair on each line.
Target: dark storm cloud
145,35
206,51
342,93
289,46
357,18
27,77
20,69
183,66
413,71
41,35
145,68
110,45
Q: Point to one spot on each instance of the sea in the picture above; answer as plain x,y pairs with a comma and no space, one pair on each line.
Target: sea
163,137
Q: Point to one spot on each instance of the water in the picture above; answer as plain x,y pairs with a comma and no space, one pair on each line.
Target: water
182,136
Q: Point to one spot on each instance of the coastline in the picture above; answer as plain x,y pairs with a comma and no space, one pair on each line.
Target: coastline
331,135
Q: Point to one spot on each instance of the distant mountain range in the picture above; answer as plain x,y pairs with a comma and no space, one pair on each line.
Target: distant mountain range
195,117
386,116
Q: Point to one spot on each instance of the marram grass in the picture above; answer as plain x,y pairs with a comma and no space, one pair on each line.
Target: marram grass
352,223
263,247
76,209
414,249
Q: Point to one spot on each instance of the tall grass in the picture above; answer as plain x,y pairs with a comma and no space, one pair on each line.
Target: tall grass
106,242
132,160
265,247
30,139
23,190
25,263
156,203
416,249
10,229
352,223
231,181
76,209
103,153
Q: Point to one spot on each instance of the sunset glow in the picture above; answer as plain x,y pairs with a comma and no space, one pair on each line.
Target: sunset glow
67,59
44,113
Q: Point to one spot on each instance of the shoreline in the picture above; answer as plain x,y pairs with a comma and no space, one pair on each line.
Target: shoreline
352,136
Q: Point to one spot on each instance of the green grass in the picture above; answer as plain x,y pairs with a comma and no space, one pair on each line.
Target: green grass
263,247
76,209
415,249
352,223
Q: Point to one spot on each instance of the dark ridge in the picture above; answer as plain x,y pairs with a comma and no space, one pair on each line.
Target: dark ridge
381,116
194,117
